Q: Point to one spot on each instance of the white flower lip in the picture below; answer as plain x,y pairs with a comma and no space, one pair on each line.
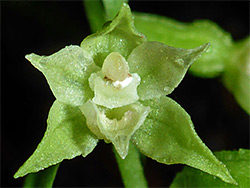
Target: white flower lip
124,83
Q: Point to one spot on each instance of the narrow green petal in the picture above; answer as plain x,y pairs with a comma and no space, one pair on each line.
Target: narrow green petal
43,178
161,67
237,163
66,137
131,168
116,125
118,36
189,35
67,73
237,73
168,136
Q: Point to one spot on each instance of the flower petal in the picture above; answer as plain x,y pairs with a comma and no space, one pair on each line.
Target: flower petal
67,73
168,136
189,35
66,137
116,125
117,36
161,67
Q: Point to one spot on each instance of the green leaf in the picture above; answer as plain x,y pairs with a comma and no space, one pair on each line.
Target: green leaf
237,73
66,137
95,14
236,161
189,35
131,168
112,7
117,36
67,73
43,178
106,94
161,67
115,125
168,136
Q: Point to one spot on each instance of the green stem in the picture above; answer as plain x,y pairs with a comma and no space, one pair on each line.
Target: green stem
131,168
95,14
43,178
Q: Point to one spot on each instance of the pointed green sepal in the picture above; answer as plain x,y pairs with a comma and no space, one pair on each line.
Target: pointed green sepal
161,67
189,35
66,137
237,163
116,125
117,36
67,72
168,136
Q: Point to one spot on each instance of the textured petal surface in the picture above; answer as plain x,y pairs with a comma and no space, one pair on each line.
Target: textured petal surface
67,72
118,36
168,136
161,67
66,137
189,35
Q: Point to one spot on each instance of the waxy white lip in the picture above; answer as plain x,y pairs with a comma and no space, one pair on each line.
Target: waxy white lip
124,83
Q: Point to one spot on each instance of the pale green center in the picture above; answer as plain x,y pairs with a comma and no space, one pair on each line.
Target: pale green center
114,86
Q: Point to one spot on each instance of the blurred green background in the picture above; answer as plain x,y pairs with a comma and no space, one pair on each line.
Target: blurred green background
44,28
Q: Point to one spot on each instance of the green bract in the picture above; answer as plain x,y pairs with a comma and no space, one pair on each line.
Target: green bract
113,88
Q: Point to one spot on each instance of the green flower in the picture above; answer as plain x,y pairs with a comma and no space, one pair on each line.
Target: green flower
113,87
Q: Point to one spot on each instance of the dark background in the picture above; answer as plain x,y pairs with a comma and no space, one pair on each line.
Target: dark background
46,27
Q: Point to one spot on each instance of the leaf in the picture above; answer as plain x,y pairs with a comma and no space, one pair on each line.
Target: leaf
237,73
116,125
116,36
66,137
67,73
189,35
131,168
95,14
168,136
43,178
161,67
106,94
237,163
112,7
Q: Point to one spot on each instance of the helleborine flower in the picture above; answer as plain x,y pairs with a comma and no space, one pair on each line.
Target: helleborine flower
113,87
